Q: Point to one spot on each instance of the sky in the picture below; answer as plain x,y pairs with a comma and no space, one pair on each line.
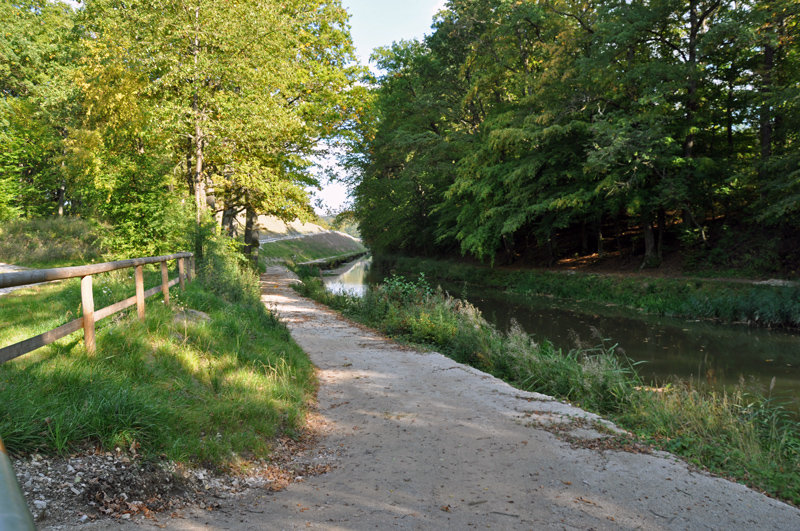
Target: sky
375,23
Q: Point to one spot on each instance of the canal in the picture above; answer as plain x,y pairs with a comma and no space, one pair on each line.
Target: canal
670,348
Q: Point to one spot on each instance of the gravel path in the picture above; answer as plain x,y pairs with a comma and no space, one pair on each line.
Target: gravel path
425,443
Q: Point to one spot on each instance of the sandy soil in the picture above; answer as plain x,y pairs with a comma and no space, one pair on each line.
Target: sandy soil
425,443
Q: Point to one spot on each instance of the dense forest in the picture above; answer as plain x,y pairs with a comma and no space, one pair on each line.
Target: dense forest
540,128
147,113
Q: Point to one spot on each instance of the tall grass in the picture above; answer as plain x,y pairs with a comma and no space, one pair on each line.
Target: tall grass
763,305
193,390
743,434
50,242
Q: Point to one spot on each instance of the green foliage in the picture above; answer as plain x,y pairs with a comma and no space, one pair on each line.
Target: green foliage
517,122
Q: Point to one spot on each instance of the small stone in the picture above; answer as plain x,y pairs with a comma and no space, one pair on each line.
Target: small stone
83,519
126,516
40,504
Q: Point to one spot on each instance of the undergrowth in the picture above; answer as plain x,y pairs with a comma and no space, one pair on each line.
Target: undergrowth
741,434
203,391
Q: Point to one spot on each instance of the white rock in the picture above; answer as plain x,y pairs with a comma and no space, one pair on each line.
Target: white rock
40,504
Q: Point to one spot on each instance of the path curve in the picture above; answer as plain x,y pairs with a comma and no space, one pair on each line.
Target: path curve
427,443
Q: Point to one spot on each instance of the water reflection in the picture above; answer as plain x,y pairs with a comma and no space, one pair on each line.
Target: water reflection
350,279
711,352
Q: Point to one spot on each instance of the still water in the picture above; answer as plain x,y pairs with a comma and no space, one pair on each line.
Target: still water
669,347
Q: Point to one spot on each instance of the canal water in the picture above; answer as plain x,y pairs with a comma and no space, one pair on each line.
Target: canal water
670,348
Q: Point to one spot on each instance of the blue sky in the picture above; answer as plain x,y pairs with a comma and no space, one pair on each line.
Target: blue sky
375,23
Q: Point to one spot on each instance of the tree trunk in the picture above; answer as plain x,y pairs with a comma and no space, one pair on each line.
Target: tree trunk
60,197
649,243
766,110
251,235
600,250
229,224
662,226
508,249
584,239
548,247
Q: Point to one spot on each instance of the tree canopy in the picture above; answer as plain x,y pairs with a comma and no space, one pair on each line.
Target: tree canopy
515,122
135,111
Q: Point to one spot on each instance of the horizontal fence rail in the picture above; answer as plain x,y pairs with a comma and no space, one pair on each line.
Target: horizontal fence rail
90,317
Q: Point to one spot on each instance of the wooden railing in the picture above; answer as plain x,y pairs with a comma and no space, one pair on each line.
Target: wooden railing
90,317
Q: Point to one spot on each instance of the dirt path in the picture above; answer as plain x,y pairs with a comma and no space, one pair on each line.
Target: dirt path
426,443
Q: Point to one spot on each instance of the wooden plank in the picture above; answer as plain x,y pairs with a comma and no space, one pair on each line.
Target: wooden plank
152,291
165,282
23,347
37,276
87,302
114,308
174,281
139,276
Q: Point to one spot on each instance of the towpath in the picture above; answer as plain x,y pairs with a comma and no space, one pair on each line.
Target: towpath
426,443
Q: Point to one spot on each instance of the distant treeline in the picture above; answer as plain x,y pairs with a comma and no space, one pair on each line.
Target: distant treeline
517,125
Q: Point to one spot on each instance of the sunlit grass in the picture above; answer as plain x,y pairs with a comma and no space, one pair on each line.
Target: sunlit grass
310,248
201,391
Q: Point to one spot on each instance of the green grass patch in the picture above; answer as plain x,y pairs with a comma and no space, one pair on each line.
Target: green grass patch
196,391
308,248
51,242
742,434
762,305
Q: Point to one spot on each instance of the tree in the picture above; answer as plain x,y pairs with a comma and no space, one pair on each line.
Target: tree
237,96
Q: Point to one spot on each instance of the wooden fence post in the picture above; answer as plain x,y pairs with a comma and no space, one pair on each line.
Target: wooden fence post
181,272
139,292
87,301
165,282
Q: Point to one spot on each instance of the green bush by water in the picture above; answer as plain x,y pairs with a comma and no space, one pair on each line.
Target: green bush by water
741,434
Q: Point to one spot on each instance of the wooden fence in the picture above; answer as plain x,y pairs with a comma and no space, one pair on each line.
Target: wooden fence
90,316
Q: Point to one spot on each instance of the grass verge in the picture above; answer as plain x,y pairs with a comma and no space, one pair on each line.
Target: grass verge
313,247
758,304
740,435
203,391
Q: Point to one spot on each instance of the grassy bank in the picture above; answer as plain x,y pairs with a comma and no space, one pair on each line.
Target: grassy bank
51,242
762,305
741,435
313,247
194,390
